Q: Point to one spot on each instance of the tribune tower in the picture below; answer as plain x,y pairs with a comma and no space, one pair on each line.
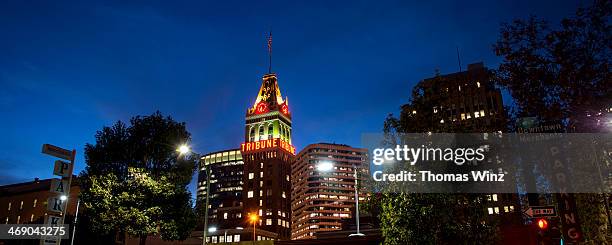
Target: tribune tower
268,154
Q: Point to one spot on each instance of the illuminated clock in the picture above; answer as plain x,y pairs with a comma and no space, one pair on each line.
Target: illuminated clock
285,109
262,107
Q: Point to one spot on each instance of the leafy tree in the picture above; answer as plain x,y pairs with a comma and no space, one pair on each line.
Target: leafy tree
560,74
135,180
563,74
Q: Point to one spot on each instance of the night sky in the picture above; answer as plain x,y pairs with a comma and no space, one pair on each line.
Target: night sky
69,68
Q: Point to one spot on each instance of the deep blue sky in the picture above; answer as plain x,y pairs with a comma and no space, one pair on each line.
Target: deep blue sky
69,68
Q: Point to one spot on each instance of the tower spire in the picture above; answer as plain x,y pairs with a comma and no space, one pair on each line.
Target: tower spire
270,51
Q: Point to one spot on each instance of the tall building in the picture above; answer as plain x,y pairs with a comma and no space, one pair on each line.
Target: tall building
225,197
467,98
267,154
322,200
470,102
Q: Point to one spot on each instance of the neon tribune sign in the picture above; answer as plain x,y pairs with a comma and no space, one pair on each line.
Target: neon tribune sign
267,144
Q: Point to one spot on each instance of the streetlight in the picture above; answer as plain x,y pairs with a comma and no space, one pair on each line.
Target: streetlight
183,150
63,197
327,166
253,218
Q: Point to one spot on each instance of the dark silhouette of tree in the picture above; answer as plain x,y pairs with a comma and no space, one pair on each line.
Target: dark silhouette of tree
562,74
135,180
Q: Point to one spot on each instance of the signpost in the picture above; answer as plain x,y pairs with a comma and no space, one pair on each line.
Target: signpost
540,211
60,188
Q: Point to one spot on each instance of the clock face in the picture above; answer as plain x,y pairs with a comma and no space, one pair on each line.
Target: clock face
285,109
262,107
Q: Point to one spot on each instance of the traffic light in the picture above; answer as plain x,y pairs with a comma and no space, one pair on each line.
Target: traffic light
542,224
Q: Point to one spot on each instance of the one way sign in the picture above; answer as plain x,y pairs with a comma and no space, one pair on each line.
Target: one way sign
540,211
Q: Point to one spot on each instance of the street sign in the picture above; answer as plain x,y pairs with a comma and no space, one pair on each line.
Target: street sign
55,204
59,186
540,211
57,152
62,168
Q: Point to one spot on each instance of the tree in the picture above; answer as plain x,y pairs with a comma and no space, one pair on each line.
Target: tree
135,180
564,75
560,74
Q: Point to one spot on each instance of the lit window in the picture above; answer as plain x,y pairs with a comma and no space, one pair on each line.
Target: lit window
236,238
506,209
260,174
251,175
32,218
250,194
284,196
261,183
224,215
260,202
490,210
35,201
476,114
268,221
21,205
478,84
496,210
260,193
482,114
462,116
18,219
260,213
9,207
511,208
495,197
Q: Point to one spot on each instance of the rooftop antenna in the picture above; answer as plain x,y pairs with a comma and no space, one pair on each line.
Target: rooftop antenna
458,58
270,51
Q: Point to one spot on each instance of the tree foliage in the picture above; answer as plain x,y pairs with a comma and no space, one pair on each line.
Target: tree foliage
135,180
559,73
563,74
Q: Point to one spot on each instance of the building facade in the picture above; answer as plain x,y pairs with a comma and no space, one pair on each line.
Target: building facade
322,200
225,197
26,203
267,154
468,99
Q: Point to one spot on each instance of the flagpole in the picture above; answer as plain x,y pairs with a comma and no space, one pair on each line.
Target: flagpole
270,52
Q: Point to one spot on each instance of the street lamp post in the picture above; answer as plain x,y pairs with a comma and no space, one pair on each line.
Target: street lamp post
76,215
253,217
327,166
206,203
183,150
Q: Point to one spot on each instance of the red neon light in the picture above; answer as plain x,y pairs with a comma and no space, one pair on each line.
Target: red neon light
262,107
285,109
267,144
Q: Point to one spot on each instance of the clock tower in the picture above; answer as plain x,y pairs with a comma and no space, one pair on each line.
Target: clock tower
268,154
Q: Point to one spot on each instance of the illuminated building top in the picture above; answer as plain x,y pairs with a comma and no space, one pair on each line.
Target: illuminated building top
269,117
269,98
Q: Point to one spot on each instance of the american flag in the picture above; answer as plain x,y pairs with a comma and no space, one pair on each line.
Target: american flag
270,43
